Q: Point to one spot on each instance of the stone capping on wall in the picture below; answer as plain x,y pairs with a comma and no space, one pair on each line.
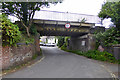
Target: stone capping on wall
23,44
116,45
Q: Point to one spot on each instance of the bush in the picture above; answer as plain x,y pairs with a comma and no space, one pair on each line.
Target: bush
10,32
60,41
95,54
33,30
26,39
108,38
64,47
103,56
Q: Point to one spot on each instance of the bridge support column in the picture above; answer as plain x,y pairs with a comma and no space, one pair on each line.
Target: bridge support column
91,42
83,43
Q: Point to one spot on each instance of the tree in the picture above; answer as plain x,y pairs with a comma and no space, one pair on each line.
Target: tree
111,10
24,11
108,38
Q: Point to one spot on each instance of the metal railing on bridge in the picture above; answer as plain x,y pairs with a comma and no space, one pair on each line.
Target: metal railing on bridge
65,16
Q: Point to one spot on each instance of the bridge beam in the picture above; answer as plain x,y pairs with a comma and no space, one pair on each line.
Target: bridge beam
72,23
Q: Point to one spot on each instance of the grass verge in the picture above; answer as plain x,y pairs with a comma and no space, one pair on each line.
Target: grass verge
95,54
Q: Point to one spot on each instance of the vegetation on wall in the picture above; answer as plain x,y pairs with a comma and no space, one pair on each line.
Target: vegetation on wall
10,32
108,38
26,39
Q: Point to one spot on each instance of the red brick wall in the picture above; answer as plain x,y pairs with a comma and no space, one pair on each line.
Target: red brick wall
12,56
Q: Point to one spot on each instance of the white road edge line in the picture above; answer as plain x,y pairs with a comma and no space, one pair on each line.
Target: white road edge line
111,73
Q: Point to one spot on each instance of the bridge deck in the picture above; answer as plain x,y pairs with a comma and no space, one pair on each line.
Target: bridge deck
73,23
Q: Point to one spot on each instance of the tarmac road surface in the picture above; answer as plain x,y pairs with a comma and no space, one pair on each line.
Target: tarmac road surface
61,64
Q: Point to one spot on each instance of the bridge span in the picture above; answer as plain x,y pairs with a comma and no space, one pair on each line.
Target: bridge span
57,28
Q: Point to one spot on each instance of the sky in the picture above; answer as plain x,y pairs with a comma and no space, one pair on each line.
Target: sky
90,7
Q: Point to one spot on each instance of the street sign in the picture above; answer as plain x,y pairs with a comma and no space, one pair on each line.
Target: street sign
67,25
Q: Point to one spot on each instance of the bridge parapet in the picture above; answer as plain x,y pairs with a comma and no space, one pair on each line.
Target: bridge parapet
66,16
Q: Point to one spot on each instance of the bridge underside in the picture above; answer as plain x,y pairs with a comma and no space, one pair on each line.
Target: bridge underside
52,30
60,33
57,28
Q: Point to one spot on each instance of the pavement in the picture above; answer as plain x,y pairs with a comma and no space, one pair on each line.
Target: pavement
60,64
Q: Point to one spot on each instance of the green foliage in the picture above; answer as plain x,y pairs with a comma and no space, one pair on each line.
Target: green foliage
10,32
35,56
95,54
108,38
66,40
64,47
111,10
103,56
24,11
61,41
33,30
26,39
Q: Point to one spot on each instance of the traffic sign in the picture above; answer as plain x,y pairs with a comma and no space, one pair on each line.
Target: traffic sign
67,25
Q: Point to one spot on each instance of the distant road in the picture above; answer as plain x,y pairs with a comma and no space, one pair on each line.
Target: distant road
61,64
